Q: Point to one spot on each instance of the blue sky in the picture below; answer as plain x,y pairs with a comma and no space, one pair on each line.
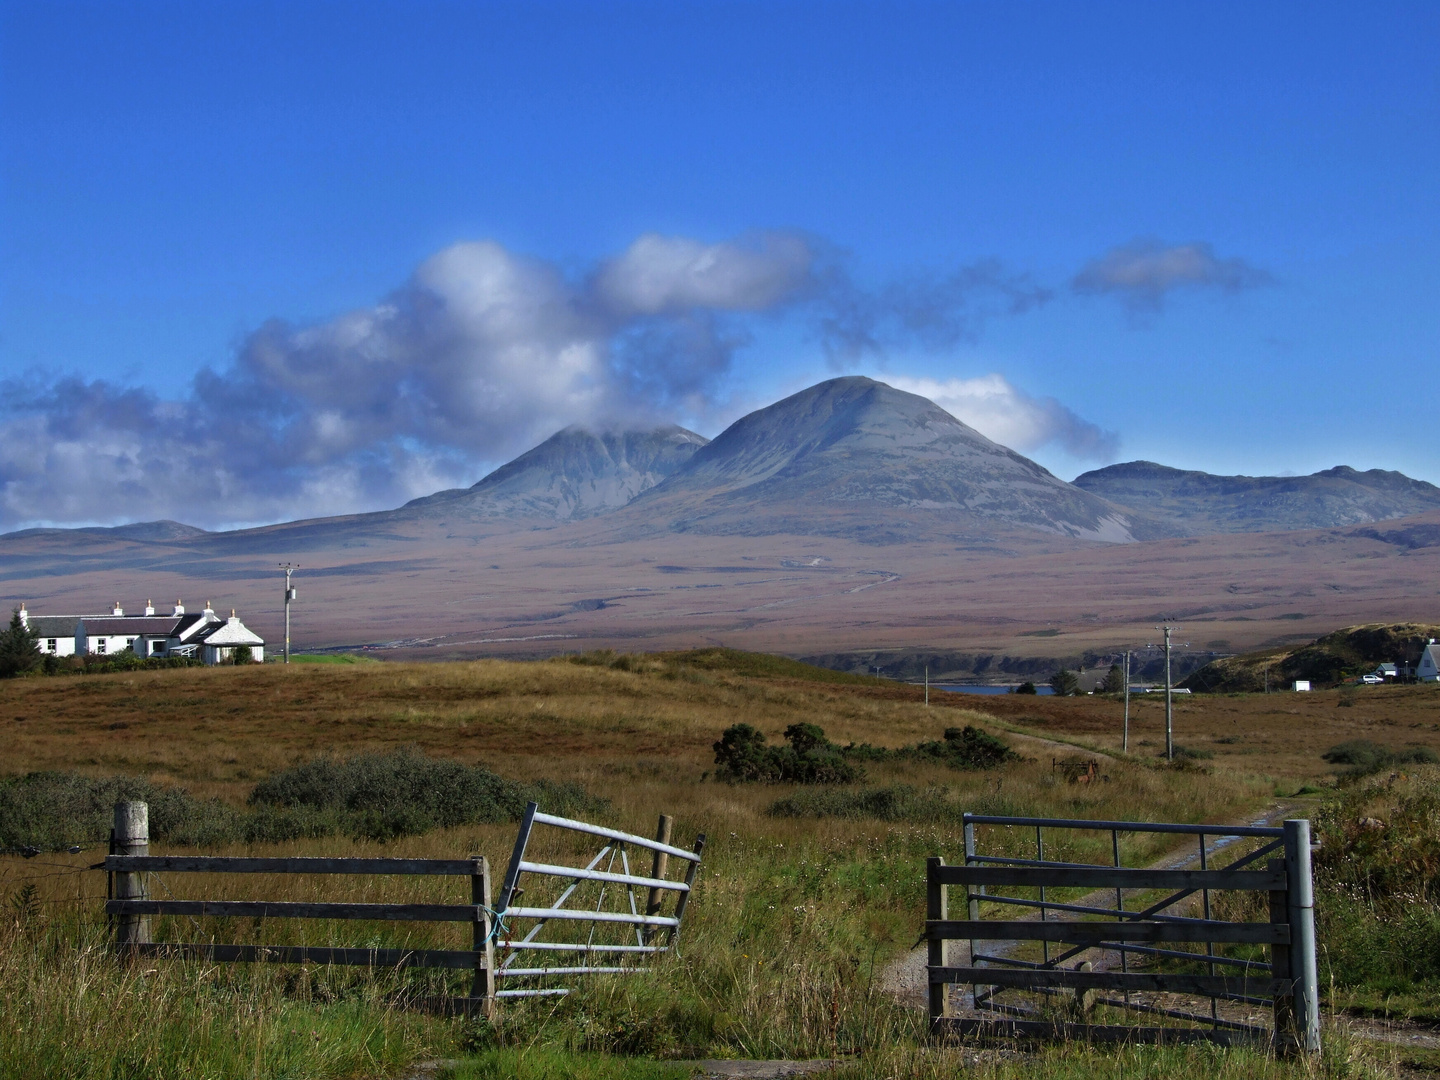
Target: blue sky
1204,234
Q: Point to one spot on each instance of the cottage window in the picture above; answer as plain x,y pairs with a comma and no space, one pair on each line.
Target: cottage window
100,645
51,644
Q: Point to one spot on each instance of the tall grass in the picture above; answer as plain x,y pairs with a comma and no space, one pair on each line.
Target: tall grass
792,924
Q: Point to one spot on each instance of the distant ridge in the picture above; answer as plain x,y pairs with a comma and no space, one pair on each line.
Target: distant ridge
853,456
1198,503
574,474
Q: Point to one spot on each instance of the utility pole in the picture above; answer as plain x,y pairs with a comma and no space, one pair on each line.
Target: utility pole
1125,735
1169,701
289,569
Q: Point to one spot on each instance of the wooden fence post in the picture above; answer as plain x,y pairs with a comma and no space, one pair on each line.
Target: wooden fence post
662,863
1302,933
936,907
132,837
484,937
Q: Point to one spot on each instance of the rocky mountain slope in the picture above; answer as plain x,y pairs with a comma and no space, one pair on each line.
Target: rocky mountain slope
1197,503
574,474
853,456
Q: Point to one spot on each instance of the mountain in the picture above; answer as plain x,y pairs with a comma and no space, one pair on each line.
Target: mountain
856,457
574,474
1198,503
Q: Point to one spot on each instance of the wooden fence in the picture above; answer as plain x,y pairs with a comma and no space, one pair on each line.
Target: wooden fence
1083,935
130,866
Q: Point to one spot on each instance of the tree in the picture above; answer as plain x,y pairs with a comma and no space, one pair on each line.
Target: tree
19,647
242,654
1114,680
1064,683
1025,688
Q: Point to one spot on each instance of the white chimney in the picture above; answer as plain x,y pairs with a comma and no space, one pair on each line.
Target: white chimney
233,617
118,610
149,608
209,611
179,608
24,615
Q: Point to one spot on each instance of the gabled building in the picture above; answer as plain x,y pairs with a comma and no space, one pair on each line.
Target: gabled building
147,635
1428,669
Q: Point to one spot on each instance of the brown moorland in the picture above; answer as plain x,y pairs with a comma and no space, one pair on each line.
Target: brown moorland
794,916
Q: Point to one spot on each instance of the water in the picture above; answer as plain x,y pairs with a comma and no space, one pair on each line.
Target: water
1040,688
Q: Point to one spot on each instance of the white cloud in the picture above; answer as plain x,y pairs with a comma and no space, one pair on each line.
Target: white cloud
666,274
1006,415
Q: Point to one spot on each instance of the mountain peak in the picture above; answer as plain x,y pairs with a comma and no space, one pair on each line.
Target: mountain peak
576,473
852,441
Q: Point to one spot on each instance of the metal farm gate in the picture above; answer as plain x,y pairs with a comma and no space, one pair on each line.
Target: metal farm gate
1127,939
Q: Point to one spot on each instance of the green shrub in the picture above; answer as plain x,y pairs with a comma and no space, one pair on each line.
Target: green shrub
1365,757
375,796
1025,688
961,748
743,756
403,793
898,802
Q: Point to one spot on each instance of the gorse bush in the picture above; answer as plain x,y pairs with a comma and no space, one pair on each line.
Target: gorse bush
811,758
961,748
404,793
372,796
896,802
742,755
1365,757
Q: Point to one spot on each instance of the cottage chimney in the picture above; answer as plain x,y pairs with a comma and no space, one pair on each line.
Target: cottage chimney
24,615
149,608
118,610
179,607
209,610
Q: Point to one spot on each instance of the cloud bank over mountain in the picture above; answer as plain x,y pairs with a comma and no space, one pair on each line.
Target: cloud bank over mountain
480,355
1013,418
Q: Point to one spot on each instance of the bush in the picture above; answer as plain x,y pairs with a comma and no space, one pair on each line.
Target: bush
376,796
743,756
1365,757
1025,688
403,792
899,802
968,748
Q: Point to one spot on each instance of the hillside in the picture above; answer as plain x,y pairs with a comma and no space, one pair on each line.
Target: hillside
855,457
1325,661
576,473
1197,503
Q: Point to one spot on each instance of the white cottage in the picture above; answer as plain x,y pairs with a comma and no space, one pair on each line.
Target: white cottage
147,635
219,644
1428,670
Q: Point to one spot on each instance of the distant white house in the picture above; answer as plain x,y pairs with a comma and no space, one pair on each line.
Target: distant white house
1428,670
203,635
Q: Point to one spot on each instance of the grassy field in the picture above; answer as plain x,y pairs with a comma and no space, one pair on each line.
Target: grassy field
787,935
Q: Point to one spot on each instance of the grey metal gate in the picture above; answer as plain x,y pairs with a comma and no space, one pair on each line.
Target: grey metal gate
1170,907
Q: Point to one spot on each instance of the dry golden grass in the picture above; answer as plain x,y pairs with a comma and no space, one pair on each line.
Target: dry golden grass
793,917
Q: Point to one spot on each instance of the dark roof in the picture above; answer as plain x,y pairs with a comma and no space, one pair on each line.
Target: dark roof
48,626
130,624
186,625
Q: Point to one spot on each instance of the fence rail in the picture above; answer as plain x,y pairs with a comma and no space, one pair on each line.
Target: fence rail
1079,927
131,907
